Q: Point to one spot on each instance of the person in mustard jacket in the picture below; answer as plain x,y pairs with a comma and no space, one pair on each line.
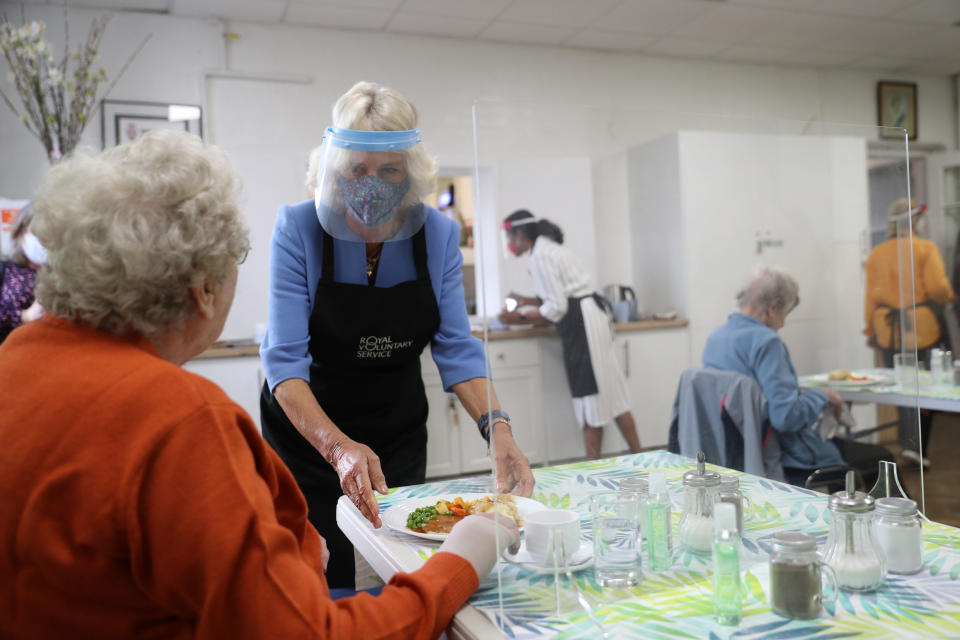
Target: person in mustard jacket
884,283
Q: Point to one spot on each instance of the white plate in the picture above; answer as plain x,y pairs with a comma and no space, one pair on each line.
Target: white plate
871,381
582,558
396,516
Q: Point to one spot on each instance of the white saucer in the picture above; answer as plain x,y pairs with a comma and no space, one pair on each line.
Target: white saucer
582,558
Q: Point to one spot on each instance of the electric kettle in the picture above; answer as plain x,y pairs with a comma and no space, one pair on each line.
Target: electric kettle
623,300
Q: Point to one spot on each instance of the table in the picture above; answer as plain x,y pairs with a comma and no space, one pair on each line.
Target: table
928,396
678,602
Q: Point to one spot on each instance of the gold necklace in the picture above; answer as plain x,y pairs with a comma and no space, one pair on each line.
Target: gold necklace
372,261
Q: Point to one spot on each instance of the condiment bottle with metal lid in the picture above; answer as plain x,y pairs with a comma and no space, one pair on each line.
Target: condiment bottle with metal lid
730,492
898,530
796,576
852,550
701,490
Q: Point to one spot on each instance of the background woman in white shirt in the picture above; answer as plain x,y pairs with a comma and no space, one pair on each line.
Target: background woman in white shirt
565,299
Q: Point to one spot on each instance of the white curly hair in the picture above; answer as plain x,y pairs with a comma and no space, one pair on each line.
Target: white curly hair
769,287
369,106
130,229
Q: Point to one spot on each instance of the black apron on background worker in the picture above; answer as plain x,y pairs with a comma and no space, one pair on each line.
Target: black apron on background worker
365,344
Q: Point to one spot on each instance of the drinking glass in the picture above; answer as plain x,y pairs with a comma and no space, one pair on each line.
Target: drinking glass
616,548
941,367
905,369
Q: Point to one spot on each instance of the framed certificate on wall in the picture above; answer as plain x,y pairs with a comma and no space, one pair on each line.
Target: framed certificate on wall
897,109
123,121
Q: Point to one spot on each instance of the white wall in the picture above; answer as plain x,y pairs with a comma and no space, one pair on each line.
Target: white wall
268,127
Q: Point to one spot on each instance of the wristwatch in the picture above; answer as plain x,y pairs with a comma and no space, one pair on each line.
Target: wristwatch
491,417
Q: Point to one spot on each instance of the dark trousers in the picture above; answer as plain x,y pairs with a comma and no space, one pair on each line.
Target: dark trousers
865,457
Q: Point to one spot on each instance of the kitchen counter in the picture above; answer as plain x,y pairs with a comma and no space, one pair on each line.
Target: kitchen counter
550,331
248,348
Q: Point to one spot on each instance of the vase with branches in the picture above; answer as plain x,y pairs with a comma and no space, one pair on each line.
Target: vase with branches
57,97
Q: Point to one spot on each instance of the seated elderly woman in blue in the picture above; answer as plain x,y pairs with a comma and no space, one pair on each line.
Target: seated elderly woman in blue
749,343
362,278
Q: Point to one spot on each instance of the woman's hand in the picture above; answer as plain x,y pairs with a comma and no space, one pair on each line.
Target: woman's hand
511,317
359,470
513,468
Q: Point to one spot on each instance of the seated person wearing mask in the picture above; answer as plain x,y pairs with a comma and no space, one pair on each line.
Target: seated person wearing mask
138,499
748,343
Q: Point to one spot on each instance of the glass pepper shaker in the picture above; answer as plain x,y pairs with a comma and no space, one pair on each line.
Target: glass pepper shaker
852,550
701,490
796,576
898,530
730,492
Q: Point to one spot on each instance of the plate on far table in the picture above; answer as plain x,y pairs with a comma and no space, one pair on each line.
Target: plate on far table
395,517
862,380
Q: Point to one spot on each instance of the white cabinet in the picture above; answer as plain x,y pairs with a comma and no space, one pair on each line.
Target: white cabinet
239,377
453,443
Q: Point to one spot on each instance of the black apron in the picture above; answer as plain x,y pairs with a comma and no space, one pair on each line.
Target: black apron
365,343
576,352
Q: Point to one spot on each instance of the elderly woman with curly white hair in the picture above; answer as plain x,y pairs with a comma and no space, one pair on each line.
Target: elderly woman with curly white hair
138,499
363,277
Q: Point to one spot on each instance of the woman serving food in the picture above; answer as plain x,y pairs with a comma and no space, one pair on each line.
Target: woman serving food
362,278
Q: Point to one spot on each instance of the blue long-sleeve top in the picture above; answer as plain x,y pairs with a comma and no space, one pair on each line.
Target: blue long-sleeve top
296,259
746,345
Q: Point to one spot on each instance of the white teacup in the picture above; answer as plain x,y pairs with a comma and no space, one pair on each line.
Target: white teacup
548,527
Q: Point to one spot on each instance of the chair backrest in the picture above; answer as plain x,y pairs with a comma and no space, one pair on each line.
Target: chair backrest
698,422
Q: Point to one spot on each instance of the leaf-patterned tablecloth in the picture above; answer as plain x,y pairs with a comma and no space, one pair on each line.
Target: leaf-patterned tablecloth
678,603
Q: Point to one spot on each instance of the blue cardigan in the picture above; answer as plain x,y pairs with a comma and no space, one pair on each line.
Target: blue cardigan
746,345
296,254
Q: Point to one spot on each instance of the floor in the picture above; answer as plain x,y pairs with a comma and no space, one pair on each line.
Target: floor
941,481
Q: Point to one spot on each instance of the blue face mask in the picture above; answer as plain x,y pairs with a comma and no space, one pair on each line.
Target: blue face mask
371,200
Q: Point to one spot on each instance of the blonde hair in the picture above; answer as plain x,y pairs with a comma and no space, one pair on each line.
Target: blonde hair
898,209
130,229
369,106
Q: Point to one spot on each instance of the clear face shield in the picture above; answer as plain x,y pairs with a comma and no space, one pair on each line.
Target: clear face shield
368,188
509,235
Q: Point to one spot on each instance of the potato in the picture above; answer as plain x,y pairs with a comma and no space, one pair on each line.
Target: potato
838,374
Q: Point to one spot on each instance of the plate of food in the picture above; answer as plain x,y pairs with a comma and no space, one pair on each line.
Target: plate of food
432,518
847,379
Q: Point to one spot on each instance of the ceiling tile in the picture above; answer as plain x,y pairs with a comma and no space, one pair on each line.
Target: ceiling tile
752,53
352,4
653,16
881,63
336,16
423,23
942,12
940,42
685,47
616,40
878,35
487,9
802,30
249,10
734,23
129,5
806,5
560,13
818,58
527,33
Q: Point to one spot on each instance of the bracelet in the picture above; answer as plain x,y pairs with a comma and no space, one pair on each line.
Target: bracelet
485,418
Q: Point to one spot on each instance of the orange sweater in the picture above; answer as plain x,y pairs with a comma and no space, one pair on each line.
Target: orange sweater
884,286
139,501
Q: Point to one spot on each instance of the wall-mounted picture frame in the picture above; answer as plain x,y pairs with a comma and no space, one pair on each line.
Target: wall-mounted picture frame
124,121
897,108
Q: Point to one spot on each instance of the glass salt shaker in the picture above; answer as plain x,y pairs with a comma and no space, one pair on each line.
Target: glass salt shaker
730,492
701,490
852,550
796,576
638,484
898,530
